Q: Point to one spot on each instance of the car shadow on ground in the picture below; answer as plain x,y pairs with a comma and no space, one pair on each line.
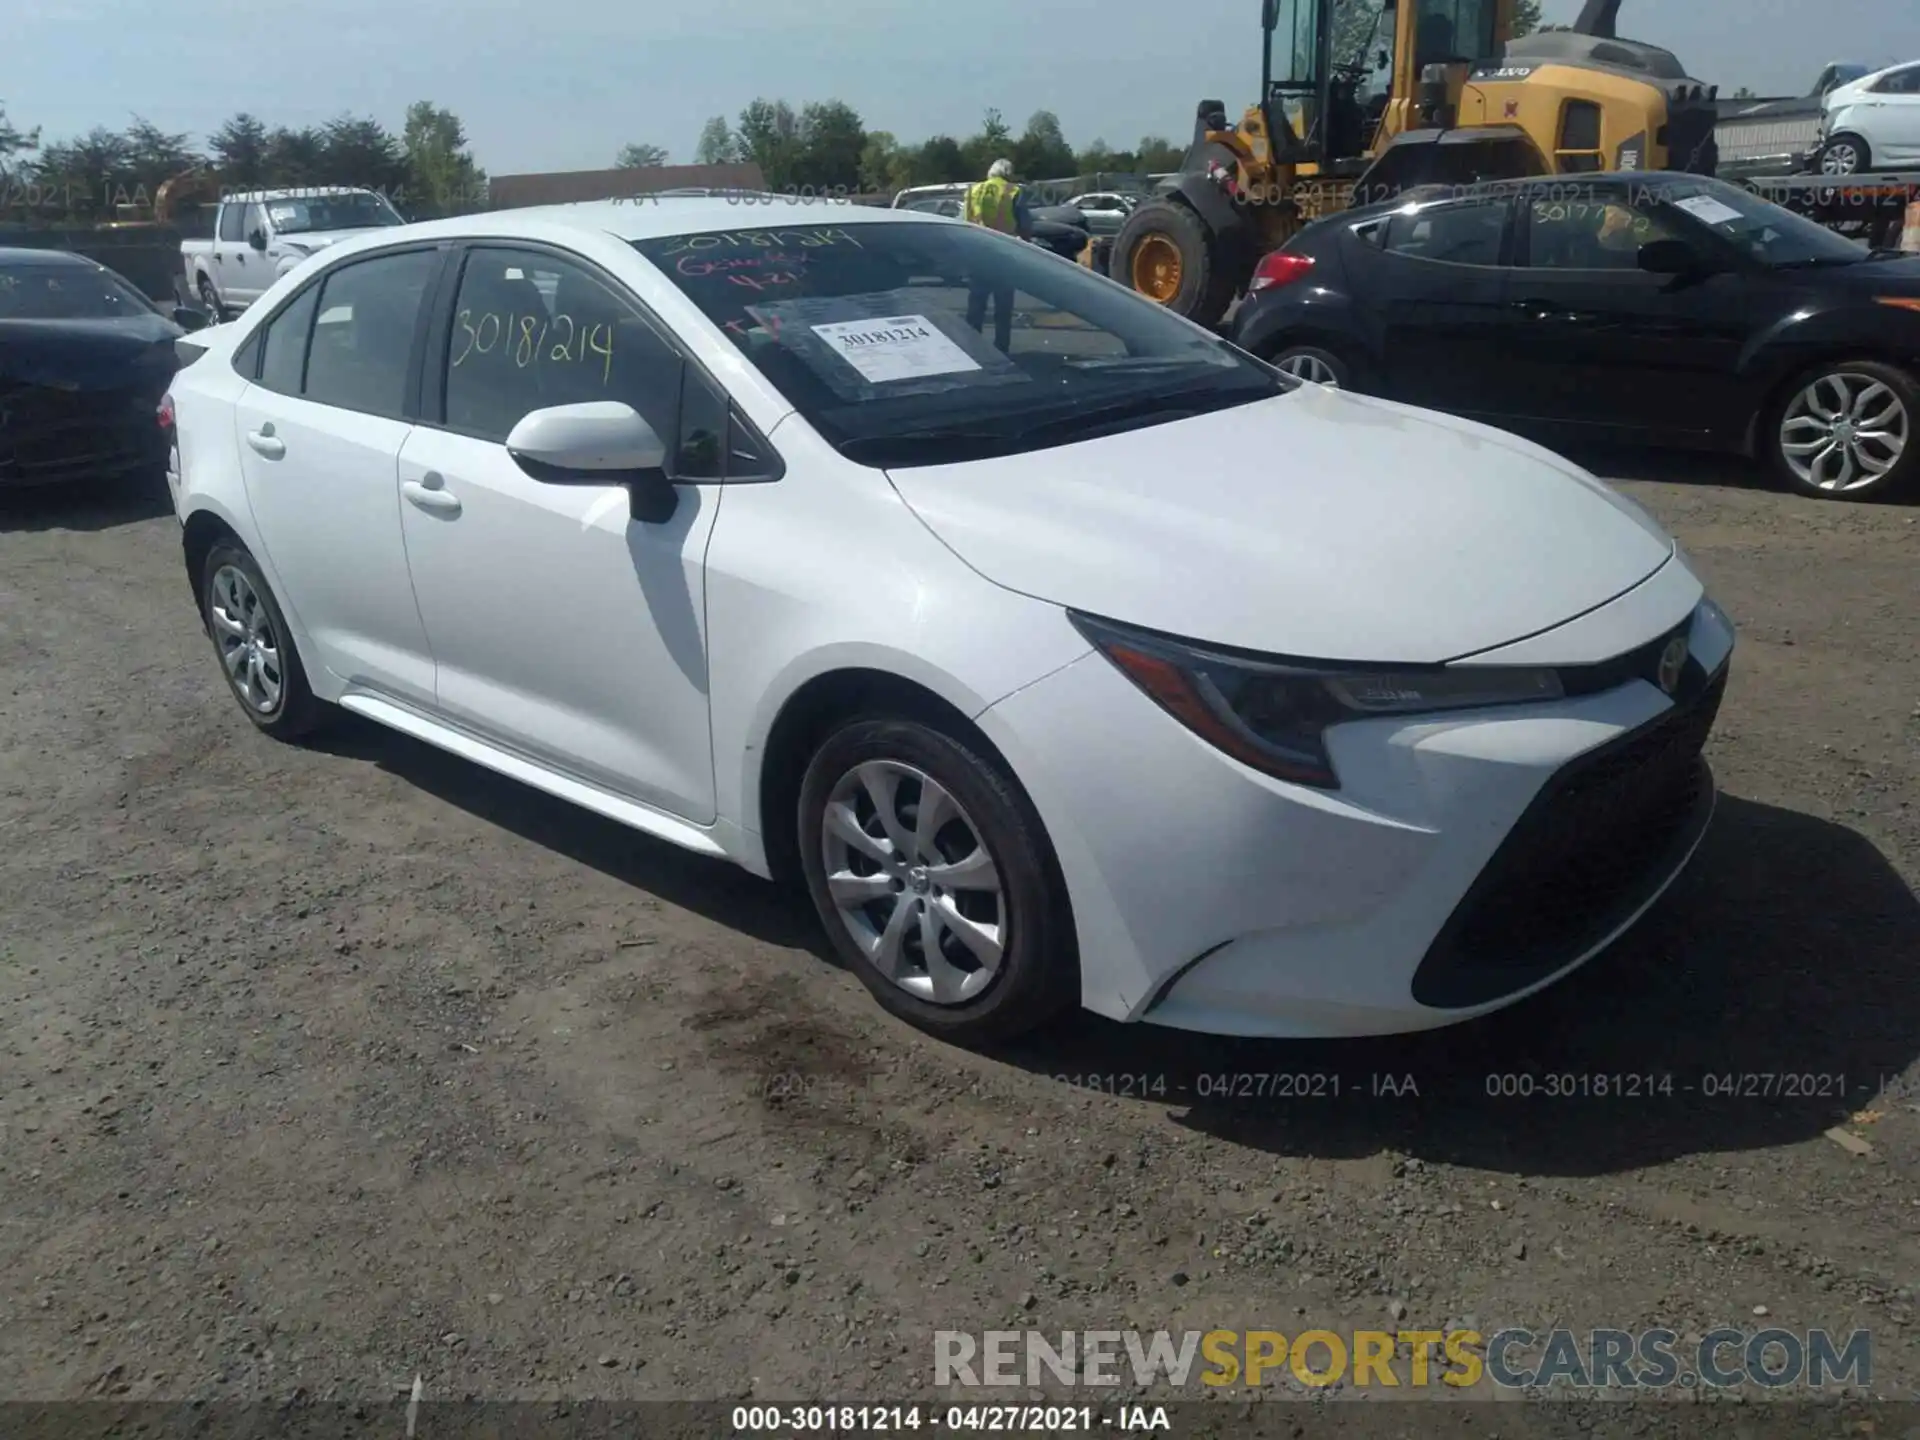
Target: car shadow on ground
774,914
86,505
1786,957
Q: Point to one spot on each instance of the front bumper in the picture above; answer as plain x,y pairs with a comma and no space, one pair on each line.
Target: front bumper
50,436
1467,861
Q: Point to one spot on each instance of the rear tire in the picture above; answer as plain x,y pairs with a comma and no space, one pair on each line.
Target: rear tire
210,299
982,888
1846,430
255,647
1845,155
1165,252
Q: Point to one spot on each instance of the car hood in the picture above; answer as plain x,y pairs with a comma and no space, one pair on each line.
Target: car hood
1889,276
88,354
1316,524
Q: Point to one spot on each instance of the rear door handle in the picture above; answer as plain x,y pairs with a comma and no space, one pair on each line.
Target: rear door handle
266,443
428,493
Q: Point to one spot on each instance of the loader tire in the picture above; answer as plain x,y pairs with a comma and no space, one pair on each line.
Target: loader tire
1165,252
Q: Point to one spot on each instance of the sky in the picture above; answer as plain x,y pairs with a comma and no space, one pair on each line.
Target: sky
563,84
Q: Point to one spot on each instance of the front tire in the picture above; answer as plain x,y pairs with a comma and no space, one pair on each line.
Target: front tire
1165,252
1845,430
255,645
933,876
1845,155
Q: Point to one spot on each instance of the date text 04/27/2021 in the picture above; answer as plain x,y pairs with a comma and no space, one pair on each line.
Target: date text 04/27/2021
765,1420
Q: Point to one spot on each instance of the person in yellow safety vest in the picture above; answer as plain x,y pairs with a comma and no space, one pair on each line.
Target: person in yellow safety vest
999,204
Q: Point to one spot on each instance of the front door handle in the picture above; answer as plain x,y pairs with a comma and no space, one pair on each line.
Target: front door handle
266,443
428,493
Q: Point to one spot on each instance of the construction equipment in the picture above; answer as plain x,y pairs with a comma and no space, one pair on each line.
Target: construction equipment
1360,100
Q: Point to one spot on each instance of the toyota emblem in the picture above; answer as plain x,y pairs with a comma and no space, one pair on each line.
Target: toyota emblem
1673,660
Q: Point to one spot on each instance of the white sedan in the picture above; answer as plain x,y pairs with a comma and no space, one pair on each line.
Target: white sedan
1085,661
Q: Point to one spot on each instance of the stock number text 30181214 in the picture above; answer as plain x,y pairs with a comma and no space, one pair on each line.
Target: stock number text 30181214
523,341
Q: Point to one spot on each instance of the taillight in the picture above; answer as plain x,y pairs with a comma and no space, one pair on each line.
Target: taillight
1278,268
165,412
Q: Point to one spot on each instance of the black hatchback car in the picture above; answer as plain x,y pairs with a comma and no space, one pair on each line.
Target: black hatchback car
1660,309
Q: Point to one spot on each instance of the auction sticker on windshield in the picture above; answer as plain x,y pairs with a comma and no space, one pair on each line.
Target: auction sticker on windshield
1705,207
899,347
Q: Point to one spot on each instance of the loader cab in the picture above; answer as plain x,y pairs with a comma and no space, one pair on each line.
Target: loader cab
1340,75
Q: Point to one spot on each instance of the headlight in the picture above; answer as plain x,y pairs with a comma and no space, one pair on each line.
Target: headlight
1273,714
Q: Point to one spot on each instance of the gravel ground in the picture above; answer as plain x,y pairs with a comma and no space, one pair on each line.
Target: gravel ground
324,1068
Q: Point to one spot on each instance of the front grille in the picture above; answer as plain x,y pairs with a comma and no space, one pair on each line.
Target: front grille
48,434
1602,835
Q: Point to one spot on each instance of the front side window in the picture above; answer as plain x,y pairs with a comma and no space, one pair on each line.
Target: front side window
1470,233
911,342
233,221
67,292
532,330
1900,82
362,345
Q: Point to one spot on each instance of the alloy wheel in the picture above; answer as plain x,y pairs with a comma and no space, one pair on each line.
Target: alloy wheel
1842,159
1309,367
248,645
210,300
1844,432
913,882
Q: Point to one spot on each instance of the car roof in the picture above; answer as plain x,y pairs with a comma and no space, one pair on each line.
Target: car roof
31,255
648,217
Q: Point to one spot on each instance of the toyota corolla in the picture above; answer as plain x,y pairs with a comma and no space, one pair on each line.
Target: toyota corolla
1067,654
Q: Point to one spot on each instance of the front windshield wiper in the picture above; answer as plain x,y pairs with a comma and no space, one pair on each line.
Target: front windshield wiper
1819,262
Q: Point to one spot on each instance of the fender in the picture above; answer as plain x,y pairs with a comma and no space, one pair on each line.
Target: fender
827,660
1853,328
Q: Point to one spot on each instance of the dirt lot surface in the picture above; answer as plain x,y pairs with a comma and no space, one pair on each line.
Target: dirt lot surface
322,1068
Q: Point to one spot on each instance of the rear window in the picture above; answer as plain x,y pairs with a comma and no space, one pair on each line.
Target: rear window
888,329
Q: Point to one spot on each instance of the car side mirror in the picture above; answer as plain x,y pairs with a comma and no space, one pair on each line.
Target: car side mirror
258,240
1670,257
191,317
598,442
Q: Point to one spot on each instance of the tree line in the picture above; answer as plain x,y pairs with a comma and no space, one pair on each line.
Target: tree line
427,168
825,145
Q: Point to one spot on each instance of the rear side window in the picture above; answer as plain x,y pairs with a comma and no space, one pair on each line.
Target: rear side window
284,344
361,353
1465,234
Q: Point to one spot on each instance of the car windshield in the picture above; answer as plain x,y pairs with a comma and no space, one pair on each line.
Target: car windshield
885,337
1765,231
331,212
67,292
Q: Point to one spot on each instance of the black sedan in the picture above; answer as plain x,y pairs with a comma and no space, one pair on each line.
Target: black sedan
84,360
1658,309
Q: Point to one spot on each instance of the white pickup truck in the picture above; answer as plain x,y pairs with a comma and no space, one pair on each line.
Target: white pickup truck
260,235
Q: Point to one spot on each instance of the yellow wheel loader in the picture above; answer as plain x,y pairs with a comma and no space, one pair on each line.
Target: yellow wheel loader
1361,100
